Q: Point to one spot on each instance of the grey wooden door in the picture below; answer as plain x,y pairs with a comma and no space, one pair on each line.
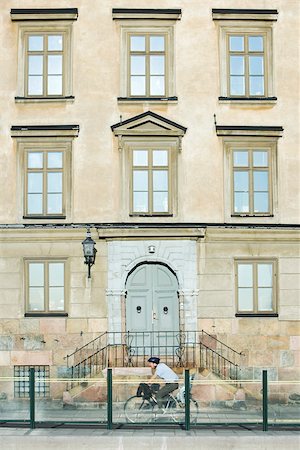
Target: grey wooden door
152,311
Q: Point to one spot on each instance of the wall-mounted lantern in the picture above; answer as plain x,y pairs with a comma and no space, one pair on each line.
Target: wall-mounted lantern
89,251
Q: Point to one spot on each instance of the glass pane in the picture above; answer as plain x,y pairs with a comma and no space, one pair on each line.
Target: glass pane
256,43
265,275
160,180
55,85
35,65
36,299
140,157
261,180
137,65
240,158
260,159
137,43
138,85
157,43
35,160
261,202
237,65
245,299
35,43
236,43
241,202
35,204
55,42
35,182
157,65
54,64
237,85
54,160
54,182
140,201
54,203
245,275
241,181
257,85
36,274
35,85
56,274
56,299
256,65
264,299
140,180
160,157
157,85
160,201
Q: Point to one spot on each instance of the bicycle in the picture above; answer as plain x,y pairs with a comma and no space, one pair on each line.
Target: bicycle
139,409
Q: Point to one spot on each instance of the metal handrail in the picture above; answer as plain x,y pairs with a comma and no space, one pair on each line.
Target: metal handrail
86,345
222,343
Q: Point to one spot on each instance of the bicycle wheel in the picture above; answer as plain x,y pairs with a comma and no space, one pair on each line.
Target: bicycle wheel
194,411
137,409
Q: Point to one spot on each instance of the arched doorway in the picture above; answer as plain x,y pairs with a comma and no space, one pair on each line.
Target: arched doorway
152,306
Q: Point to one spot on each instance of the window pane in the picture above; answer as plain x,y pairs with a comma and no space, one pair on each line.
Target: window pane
54,64
54,182
157,65
140,201
137,65
237,85
36,274
157,43
140,157
256,65
245,275
260,159
54,160
140,180
56,274
160,201
55,42
35,65
138,85
55,85
54,203
157,85
35,204
35,182
137,43
36,299
236,43
35,43
256,43
160,180
35,85
261,180
237,65
56,299
35,160
241,181
241,202
264,299
257,85
261,202
265,275
160,157
245,299
240,158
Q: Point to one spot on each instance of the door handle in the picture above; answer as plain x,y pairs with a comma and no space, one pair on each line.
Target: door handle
154,316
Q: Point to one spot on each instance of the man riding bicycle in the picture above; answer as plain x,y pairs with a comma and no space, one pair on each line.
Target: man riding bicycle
165,373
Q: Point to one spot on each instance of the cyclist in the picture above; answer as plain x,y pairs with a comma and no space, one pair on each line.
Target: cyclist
164,372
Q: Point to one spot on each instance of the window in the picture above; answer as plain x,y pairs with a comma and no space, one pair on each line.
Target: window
21,387
45,286
256,287
246,54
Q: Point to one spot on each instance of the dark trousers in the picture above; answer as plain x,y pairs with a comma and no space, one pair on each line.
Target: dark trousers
164,392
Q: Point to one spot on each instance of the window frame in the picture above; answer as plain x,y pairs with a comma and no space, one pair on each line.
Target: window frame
255,311
45,262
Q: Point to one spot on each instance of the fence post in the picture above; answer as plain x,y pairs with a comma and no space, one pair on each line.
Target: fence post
265,399
187,399
109,399
32,397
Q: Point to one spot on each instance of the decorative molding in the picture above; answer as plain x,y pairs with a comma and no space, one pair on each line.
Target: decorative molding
245,14
146,13
43,14
148,123
245,130
36,131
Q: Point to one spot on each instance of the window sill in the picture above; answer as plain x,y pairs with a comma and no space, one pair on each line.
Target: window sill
150,215
41,314
252,215
44,217
256,315
69,99
152,100
248,100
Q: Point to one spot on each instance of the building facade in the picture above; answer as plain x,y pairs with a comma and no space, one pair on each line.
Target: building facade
173,135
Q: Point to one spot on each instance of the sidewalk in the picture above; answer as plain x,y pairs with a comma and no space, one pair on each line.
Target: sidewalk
164,439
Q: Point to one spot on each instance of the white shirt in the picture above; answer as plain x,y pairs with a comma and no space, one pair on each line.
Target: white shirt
167,374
